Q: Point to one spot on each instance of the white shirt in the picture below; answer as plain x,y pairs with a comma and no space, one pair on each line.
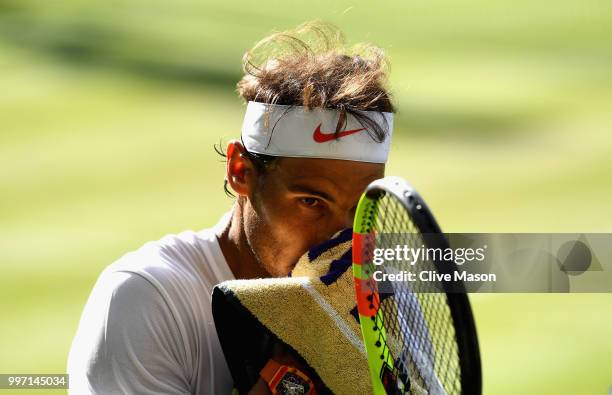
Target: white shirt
147,327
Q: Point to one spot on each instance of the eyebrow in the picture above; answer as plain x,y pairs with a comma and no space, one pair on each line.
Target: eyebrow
304,189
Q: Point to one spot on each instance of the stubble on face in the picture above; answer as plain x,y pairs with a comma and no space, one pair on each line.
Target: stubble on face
279,229
264,247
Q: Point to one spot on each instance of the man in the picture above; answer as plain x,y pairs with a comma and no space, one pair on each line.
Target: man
316,132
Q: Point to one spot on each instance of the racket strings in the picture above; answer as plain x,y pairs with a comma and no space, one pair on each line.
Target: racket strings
418,343
398,366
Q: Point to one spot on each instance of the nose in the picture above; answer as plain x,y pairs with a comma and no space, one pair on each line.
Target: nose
341,220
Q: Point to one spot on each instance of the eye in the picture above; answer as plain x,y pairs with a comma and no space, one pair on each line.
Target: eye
310,201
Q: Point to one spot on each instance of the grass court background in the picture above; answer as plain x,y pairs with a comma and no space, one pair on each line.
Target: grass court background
109,111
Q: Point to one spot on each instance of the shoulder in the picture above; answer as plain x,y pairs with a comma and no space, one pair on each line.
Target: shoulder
190,261
150,309
126,332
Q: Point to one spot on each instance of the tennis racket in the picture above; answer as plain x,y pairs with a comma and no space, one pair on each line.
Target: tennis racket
419,335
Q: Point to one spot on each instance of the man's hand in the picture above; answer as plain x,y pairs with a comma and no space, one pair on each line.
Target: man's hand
329,259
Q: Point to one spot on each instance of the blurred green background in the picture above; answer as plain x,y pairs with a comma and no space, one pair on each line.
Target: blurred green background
109,111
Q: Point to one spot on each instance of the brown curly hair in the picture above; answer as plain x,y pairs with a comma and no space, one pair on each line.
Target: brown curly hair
311,66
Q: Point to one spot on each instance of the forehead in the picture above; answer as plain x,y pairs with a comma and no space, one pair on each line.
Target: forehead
340,177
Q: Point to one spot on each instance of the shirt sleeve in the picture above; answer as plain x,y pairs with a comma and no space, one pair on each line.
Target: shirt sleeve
128,341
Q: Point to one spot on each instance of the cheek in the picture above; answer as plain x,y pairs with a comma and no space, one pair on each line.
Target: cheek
283,232
290,233
296,237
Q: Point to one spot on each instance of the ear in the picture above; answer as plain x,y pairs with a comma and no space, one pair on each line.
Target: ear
240,172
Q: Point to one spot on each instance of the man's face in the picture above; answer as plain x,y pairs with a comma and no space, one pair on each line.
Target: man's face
300,202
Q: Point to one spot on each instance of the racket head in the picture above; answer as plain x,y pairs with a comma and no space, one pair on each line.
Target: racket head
417,335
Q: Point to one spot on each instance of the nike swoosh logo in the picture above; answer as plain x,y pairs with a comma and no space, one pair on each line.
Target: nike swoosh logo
321,137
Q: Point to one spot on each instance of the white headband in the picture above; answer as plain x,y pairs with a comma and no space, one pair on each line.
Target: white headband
294,131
